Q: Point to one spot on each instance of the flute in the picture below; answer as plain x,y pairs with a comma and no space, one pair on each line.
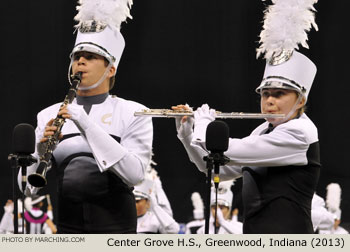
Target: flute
169,113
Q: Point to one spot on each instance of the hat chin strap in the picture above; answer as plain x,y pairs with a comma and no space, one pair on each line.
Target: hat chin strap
290,113
104,76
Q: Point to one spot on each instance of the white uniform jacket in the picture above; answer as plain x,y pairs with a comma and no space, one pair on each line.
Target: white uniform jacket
113,120
286,145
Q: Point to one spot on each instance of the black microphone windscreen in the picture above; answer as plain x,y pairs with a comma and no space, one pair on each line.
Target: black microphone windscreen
217,136
23,139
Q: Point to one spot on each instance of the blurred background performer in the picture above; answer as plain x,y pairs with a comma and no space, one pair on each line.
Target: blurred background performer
38,221
224,224
151,217
279,161
104,149
157,189
198,214
333,200
321,217
7,223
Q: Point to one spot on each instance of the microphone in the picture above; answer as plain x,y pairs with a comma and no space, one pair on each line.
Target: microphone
23,145
23,139
217,138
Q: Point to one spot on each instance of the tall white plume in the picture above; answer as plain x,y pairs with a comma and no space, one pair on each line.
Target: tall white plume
286,23
333,197
197,201
110,12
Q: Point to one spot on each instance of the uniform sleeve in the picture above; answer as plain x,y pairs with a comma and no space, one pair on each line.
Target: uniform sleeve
129,158
168,224
283,146
286,145
196,152
161,197
232,227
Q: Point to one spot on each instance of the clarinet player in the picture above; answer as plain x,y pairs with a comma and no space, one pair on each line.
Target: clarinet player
103,149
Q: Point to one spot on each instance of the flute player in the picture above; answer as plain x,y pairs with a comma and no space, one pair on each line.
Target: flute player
279,161
103,150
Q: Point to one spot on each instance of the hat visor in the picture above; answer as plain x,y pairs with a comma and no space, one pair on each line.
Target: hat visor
140,195
277,84
221,203
89,47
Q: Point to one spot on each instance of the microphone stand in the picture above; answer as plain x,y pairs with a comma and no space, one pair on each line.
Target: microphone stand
209,161
213,160
14,167
16,161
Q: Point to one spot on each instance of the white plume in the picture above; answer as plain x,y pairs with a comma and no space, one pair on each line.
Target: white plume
110,12
197,201
333,197
286,23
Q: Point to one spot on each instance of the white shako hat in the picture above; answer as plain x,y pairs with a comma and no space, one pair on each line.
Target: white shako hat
198,206
99,28
286,24
143,190
225,194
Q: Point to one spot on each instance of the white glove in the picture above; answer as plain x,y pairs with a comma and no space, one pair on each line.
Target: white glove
220,216
79,116
168,224
184,129
202,117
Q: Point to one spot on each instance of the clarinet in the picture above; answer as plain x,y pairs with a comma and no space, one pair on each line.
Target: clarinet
38,179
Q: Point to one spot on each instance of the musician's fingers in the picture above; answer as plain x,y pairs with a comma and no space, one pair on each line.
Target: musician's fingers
180,107
66,116
50,129
185,107
175,107
64,112
49,133
43,140
50,122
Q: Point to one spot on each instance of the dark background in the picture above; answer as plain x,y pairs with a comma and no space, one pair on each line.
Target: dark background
194,51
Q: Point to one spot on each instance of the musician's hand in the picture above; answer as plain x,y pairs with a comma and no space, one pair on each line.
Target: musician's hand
78,115
181,107
49,131
184,125
202,117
